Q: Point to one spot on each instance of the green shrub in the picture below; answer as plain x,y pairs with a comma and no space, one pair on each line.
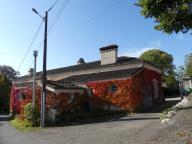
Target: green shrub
31,115
22,125
164,113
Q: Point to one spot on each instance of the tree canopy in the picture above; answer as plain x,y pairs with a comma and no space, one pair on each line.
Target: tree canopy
171,15
180,71
164,61
188,64
7,74
8,71
5,87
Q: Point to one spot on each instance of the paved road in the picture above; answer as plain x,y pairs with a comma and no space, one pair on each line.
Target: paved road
127,130
135,129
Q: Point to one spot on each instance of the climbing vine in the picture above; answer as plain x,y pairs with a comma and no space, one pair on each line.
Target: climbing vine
127,96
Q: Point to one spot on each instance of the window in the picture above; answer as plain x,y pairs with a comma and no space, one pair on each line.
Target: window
71,98
113,88
20,96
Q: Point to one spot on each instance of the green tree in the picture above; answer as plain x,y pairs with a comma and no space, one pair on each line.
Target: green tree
188,64
171,15
164,61
8,71
180,71
7,74
5,86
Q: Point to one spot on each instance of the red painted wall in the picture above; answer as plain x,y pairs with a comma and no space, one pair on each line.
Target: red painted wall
149,76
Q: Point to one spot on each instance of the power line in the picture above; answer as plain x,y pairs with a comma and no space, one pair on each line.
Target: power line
10,53
115,2
58,15
29,66
53,5
31,63
28,63
56,19
30,45
36,34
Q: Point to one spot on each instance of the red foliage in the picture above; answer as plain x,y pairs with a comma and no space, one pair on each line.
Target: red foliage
127,97
14,99
129,94
52,100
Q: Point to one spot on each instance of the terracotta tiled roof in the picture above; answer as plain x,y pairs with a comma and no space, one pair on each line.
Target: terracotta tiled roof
101,76
62,85
86,66
23,84
95,64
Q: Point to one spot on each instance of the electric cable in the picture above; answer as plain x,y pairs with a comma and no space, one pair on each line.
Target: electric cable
31,44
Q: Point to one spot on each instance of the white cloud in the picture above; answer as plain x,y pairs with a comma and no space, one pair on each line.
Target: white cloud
136,52
156,44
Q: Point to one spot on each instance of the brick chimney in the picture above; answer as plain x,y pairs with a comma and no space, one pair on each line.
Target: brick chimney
30,72
109,54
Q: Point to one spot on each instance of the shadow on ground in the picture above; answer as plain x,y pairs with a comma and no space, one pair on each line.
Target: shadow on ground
145,114
106,119
161,107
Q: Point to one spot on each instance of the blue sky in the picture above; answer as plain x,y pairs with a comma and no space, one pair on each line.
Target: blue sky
79,30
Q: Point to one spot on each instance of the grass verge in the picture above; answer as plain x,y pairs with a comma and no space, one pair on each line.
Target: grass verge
23,125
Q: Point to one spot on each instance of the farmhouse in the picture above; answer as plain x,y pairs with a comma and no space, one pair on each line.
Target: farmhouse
111,83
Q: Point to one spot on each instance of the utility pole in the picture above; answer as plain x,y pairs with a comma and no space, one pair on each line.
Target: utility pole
34,77
44,77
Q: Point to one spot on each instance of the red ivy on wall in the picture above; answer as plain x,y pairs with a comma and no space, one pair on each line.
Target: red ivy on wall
127,97
52,100
14,99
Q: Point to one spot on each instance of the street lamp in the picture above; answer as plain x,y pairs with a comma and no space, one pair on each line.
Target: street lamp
35,11
44,76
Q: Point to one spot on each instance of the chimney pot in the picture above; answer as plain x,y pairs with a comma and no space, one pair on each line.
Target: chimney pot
109,54
81,61
31,70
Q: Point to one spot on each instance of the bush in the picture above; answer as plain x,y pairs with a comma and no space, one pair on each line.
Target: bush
22,125
31,114
164,113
